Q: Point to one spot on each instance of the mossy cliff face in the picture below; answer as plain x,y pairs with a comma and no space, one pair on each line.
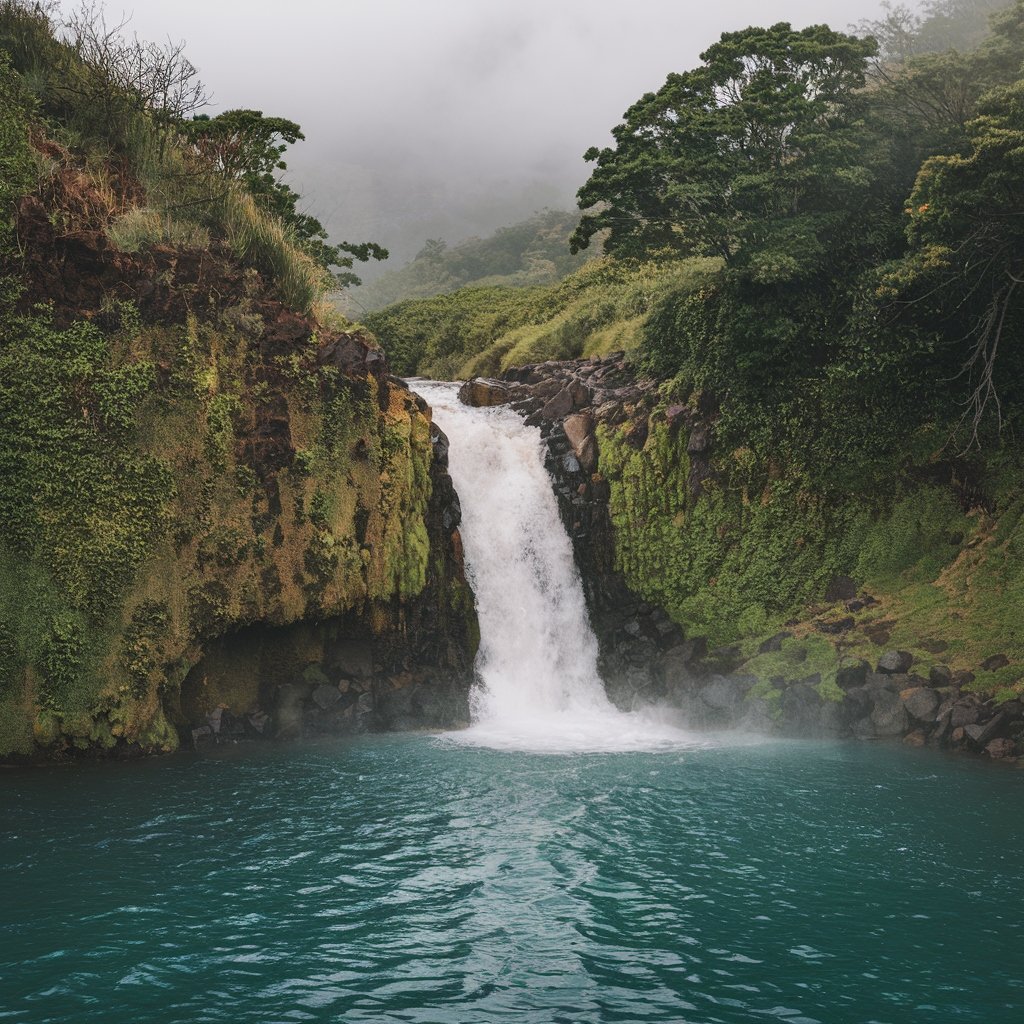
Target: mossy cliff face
701,562
169,484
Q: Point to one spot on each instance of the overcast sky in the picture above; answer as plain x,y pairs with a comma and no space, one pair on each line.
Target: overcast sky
427,118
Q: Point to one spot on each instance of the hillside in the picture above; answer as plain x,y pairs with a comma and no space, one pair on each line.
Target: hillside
195,449
533,252
833,316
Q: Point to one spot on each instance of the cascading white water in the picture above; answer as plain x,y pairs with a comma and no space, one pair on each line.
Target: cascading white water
538,683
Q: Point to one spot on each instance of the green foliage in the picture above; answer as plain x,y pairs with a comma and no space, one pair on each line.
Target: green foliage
75,491
600,308
141,227
17,168
246,146
751,157
261,240
966,261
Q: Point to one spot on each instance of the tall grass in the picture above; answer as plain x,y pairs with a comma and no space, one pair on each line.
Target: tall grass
143,226
260,240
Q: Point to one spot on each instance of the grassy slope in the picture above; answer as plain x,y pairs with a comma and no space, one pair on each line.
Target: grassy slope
480,331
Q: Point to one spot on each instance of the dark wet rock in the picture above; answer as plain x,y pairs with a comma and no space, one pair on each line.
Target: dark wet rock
725,659
850,676
725,693
835,626
964,714
558,406
326,696
675,666
841,588
888,716
1001,748
996,661
675,415
940,675
202,735
773,643
980,734
882,681
258,722
893,662
805,713
213,720
934,646
921,703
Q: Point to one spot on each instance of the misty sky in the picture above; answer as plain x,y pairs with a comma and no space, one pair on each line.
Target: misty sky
447,118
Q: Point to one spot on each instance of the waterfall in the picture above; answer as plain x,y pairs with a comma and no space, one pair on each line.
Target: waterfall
538,685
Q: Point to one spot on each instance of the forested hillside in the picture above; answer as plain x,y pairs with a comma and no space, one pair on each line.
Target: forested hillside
533,252
812,244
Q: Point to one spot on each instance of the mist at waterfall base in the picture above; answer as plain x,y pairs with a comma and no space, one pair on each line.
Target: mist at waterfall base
557,863
538,682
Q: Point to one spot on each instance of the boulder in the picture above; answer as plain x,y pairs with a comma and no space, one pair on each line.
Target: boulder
773,643
558,406
980,735
578,427
725,693
996,661
889,716
835,626
483,392
580,394
850,676
895,662
940,675
1001,748
963,714
805,713
674,416
326,696
921,703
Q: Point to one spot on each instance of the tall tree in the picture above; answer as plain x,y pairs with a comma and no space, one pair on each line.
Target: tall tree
747,157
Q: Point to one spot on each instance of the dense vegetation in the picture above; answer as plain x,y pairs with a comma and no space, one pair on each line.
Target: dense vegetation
533,252
817,239
177,457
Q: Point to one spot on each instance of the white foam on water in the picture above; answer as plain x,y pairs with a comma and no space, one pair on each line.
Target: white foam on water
538,686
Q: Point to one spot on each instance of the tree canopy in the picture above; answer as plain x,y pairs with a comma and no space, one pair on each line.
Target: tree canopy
738,158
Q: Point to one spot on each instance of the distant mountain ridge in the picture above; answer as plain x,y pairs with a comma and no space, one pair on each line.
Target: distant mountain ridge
532,252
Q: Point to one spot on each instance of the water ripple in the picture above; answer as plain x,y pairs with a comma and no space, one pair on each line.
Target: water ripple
411,880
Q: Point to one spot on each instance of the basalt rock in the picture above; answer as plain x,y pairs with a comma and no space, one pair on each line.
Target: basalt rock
484,392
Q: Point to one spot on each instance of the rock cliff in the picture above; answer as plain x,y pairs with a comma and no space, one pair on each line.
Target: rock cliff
772,608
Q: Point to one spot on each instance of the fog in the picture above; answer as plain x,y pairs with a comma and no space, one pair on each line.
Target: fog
448,118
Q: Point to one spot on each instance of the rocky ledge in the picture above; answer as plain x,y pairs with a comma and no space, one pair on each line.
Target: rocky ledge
645,657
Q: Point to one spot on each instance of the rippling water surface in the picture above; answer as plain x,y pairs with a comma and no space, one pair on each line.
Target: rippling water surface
410,879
